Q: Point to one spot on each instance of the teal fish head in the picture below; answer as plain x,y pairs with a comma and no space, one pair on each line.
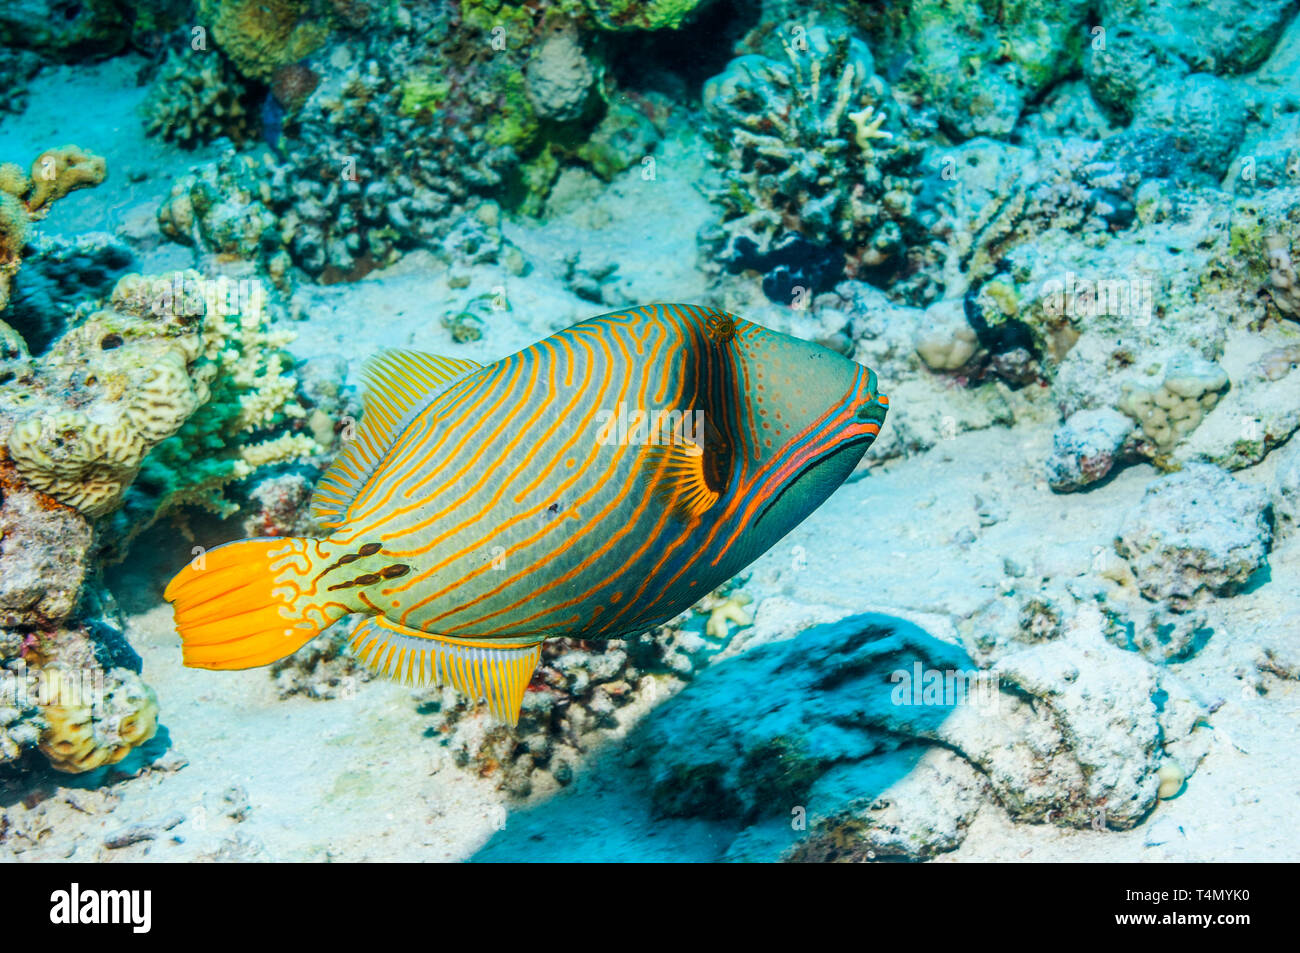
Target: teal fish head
801,396
810,415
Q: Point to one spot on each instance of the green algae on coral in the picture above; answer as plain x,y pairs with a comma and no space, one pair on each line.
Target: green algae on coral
638,15
260,35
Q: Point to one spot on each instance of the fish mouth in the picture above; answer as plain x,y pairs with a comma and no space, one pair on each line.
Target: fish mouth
874,412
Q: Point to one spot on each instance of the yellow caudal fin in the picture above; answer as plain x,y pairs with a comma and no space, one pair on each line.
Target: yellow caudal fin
243,604
479,668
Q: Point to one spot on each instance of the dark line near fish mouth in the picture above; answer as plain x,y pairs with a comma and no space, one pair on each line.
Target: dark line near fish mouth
811,464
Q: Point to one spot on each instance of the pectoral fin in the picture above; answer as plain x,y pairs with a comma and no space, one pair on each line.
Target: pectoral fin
685,475
478,668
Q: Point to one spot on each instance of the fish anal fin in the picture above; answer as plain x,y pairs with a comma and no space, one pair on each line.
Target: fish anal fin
398,385
479,668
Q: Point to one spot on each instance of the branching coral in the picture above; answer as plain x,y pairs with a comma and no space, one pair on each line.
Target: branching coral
197,98
25,198
803,148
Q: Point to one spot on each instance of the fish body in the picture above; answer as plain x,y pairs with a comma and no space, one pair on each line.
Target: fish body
592,485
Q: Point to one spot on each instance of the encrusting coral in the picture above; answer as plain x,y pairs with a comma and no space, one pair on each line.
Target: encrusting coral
26,197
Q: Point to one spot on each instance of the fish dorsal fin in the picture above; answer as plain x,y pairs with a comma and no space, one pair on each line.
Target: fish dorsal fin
479,668
399,384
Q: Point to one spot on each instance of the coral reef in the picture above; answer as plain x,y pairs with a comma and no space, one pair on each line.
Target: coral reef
26,197
198,97
1285,491
83,419
809,151
346,202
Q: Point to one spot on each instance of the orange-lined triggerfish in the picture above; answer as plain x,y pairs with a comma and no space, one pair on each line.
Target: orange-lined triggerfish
592,485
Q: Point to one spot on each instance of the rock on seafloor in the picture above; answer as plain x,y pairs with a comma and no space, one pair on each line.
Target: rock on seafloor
1196,531
822,744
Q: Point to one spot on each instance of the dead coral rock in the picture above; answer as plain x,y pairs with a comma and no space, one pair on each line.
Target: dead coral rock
43,561
1067,731
1199,530
1285,490
1085,448
917,817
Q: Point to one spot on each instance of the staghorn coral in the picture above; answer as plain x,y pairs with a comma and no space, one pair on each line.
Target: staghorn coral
26,198
198,97
803,146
